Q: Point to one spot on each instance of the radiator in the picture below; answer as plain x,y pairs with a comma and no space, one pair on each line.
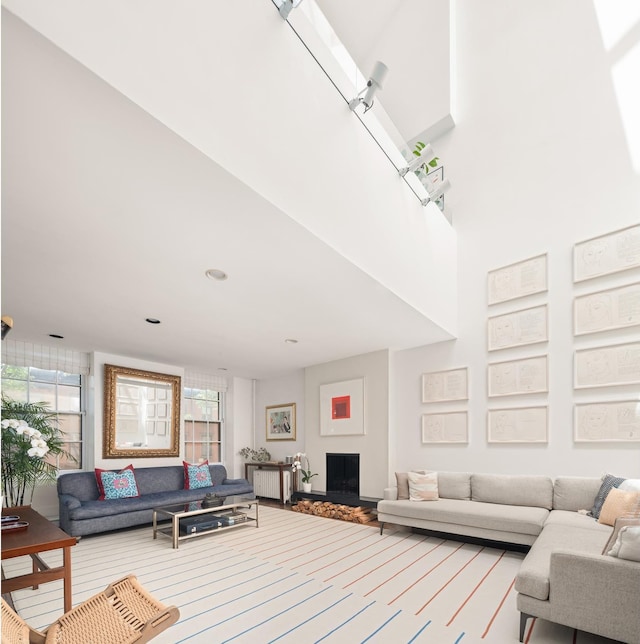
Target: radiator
267,483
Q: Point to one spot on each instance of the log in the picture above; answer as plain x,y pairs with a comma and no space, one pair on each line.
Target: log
338,511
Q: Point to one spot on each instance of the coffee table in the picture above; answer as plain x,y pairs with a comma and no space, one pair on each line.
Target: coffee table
224,512
40,536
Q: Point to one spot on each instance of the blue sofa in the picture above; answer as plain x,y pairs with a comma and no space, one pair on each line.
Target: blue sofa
81,513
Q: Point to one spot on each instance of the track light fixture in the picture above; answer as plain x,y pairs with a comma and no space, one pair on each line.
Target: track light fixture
426,155
286,6
373,84
437,191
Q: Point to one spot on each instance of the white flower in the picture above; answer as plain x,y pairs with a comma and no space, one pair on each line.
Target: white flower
39,442
37,451
13,423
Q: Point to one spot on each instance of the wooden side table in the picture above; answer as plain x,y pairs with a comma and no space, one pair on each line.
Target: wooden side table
40,536
281,467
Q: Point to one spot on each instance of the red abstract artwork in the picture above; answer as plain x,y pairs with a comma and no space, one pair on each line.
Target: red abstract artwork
341,407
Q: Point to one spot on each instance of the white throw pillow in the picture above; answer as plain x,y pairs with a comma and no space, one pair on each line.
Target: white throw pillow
423,486
627,546
630,485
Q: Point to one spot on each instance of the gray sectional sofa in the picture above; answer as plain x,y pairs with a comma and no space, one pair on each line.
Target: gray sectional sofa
564,578
81,513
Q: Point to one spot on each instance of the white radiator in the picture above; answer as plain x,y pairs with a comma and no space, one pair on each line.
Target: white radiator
267,483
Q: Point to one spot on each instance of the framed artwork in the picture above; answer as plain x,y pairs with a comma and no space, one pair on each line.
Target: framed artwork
342,408
614,308
517,280
512,377
281,422
606,254
527,326
517,425
614,421
441,386
448,427
617,364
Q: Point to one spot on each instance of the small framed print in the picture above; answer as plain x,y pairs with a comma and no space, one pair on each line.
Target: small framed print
613,421
443,386
617,364
517,425
527,326
610,253
524,376
614,308
517,280
281,422
447,427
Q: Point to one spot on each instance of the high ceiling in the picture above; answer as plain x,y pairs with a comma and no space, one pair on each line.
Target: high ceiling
108,217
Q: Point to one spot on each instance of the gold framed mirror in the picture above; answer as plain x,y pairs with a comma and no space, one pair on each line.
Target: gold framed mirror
141,413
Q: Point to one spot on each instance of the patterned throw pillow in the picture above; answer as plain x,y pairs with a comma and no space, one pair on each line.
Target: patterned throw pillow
116,485
196,476
608,483
423,487
402,482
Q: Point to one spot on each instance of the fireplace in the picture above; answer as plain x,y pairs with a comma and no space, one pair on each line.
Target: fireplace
343,475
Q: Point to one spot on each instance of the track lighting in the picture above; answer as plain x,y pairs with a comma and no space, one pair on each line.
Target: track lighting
437,191
373,84
426,155
286,6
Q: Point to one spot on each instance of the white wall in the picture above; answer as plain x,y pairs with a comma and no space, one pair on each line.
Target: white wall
372,446
539,160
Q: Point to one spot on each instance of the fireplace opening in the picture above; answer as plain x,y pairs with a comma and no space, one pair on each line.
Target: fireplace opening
343,474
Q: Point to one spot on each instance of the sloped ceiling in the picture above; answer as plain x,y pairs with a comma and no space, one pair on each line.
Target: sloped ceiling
109,217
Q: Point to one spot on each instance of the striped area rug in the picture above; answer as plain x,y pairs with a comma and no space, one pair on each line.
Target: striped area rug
301,578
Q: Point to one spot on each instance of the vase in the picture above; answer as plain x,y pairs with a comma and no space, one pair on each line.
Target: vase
306,487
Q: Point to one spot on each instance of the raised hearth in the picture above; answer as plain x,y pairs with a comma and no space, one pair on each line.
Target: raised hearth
345,499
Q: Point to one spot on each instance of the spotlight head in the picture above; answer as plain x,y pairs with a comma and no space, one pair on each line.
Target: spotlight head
426,156
373,84
439,189
286,6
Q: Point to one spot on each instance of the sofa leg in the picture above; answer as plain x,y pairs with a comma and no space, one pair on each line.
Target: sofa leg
381,527
523,624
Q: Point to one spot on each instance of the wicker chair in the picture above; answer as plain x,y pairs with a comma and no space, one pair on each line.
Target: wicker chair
122,613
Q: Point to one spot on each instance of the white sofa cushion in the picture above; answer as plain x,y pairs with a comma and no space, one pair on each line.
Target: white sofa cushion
575,492
532,491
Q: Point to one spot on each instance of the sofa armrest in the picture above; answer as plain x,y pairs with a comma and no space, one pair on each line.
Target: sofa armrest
596,593
66,503
69,502
390,493
234,481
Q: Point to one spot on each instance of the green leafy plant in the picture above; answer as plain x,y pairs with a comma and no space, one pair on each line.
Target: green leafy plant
307,475
30,437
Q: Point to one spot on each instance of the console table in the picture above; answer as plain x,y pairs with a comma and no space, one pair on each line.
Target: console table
281,467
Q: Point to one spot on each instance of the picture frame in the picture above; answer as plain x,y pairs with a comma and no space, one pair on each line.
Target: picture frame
446,427
518,425
520,279
615,421
445,386
607,366
281,422
342,408
518,328
606,254
606,310
522,376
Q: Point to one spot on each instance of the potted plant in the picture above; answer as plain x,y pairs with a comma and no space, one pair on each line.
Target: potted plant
306,474
30,438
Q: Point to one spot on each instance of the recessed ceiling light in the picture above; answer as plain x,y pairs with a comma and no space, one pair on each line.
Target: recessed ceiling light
216,274
291,341
152,320
55,335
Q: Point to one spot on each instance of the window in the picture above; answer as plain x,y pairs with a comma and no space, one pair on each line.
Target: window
202,425
62,392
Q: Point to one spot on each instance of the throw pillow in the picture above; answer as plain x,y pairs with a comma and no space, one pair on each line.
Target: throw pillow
116,485
627,546
196,476
617,504
423,487
632,485
402,481
620,523
608,483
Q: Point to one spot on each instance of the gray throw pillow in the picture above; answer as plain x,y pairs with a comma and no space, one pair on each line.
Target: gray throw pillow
608,482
